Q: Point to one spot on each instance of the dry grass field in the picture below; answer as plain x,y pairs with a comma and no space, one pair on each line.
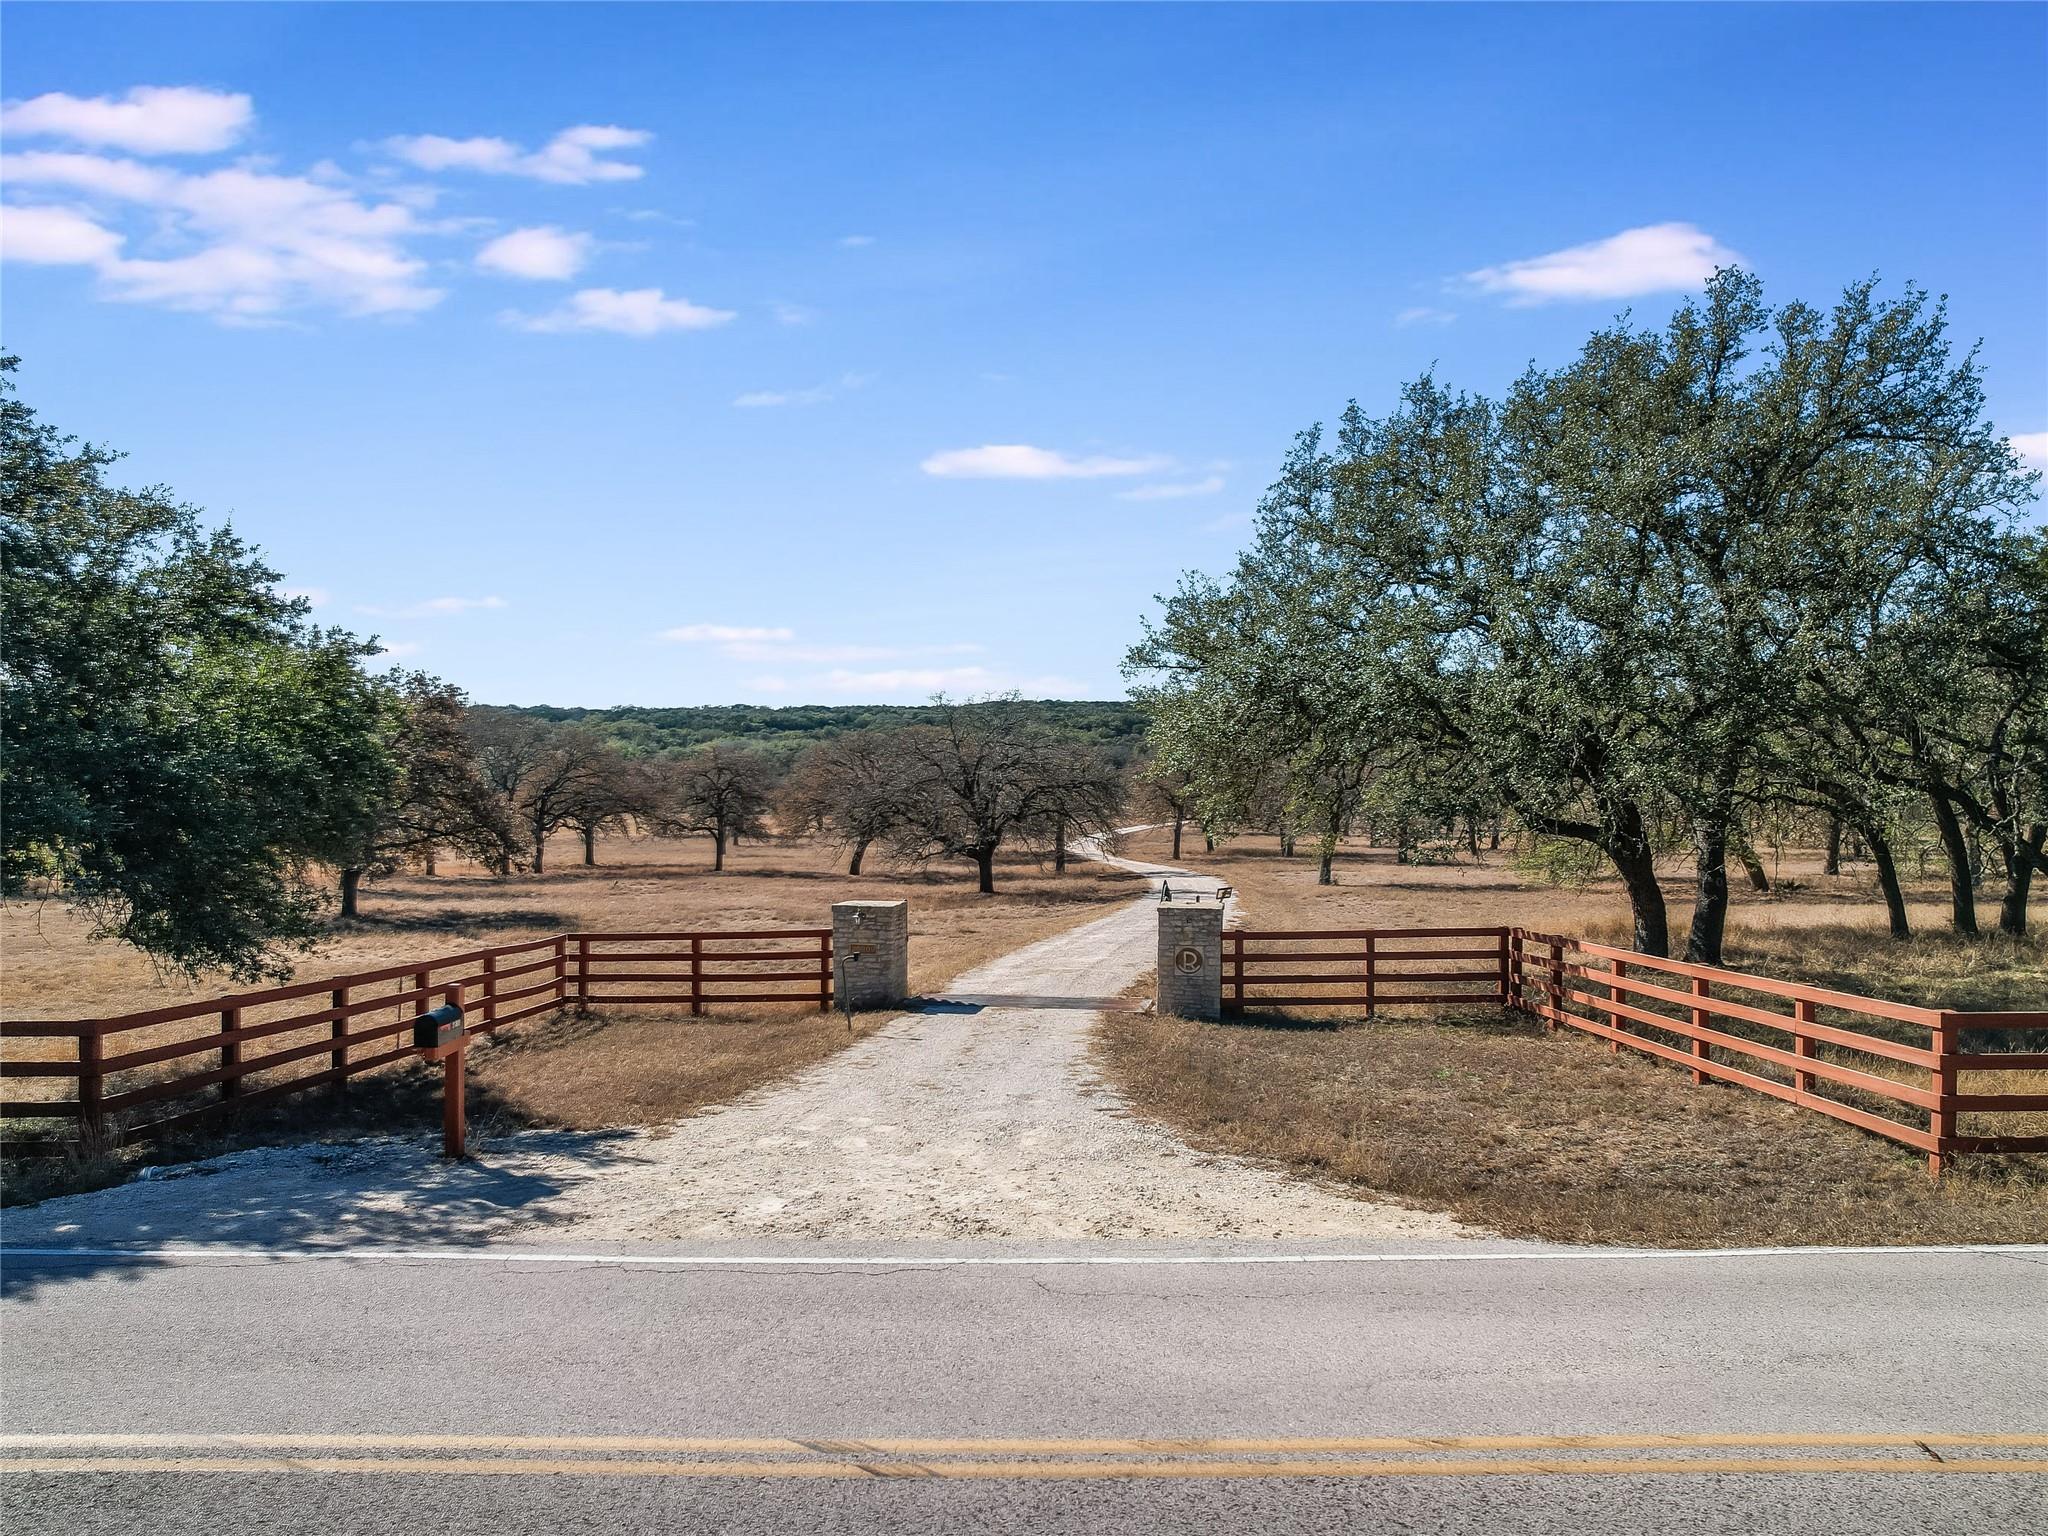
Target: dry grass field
1550,1135
619,1065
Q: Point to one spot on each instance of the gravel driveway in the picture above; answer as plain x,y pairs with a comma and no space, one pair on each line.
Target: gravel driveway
986,1124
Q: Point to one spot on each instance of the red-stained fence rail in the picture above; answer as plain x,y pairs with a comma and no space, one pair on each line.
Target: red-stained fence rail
323,1033
1379,967
1894,1069
1794,1042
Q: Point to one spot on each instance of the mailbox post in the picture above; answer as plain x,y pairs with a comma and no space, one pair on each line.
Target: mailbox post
439,1036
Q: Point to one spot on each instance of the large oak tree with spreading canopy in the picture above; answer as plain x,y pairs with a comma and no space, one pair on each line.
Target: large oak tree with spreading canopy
1617,600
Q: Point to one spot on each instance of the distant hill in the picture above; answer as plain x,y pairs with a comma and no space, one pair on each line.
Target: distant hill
1117,725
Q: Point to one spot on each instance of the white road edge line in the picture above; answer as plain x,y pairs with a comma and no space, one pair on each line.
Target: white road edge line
994,1261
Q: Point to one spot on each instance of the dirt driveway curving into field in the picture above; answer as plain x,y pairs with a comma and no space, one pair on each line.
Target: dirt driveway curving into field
963,1124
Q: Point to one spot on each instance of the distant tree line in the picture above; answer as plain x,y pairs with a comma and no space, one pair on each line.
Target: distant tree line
1117,727
1763,562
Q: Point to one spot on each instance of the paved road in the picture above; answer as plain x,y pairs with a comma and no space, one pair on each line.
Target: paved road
662,1387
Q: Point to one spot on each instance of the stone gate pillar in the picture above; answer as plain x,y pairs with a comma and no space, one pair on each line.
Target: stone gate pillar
1190,976
871,953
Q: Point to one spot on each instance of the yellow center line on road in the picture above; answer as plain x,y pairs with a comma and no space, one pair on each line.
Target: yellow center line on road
1013,1470
1014,1446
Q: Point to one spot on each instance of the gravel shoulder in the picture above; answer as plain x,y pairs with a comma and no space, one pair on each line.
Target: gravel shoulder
989,1125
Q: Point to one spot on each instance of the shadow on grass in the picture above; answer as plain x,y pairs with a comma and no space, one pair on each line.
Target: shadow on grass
1487,1020
444,918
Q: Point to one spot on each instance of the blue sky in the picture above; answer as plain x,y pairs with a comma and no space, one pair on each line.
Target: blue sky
601,355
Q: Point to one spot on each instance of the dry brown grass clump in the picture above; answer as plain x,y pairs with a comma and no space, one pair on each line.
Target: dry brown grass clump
1549,1136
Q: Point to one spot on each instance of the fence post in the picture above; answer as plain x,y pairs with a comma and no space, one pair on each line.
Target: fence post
1236,937
490,1010
337,1030
1371,963
1700,985
1556,1013
1619,970
825,972
696,973
1941,1120
1507,985
454,1069
561,970
91,1084
582,976
230,1053
1802,1043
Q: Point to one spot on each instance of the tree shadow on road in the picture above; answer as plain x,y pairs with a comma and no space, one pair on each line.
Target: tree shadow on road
329,1197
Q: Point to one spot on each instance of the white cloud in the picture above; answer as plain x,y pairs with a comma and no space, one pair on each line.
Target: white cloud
1172,490
654,216
2031,446
828,655
725,634
573,157
755,399
435,607
398,650
1019,461
316,597
791,314
123,180
1423,314
542,253
149,120
817,394
857,670
910,680
634,312
242,244
1656,258
855,242
55,237
777,645
458,604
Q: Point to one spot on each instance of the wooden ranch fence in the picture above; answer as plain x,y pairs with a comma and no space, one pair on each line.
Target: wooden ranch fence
313,1034
1893,1069
1379,967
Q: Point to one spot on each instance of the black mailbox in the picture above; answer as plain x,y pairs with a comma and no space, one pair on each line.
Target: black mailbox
437,1027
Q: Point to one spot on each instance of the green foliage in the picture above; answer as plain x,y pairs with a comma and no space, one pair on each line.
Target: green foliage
181,747
1601,602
